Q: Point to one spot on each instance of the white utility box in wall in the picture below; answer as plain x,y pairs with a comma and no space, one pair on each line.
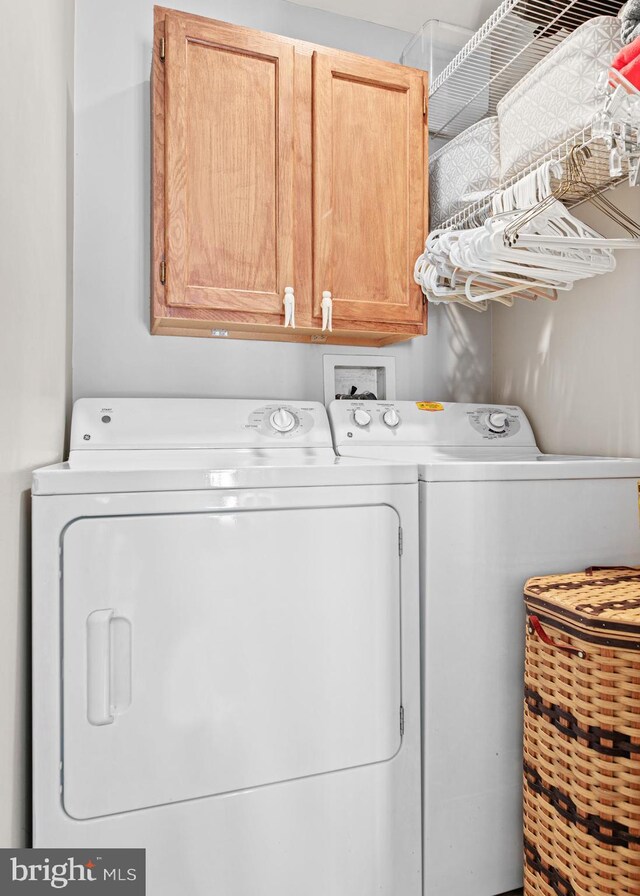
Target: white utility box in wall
369,374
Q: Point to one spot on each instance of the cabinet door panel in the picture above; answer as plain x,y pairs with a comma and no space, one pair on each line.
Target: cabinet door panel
369,186
229,167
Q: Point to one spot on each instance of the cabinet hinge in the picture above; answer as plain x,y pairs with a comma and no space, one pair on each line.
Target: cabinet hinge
162,46
163,272
402,721
400,540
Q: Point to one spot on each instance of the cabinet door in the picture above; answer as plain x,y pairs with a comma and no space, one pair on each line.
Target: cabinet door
229,168
369,188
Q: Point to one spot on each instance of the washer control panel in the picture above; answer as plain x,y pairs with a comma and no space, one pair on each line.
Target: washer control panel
494,423
368,416
428,423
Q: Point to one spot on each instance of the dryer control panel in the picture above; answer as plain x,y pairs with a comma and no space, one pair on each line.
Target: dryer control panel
169,423
283,421
430,423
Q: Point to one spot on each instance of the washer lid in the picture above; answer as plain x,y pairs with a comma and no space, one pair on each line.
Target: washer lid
540,466
477,464
453,442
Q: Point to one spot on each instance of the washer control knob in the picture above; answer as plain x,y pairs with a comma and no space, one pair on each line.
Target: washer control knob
497,422
391,417
283,420
361,417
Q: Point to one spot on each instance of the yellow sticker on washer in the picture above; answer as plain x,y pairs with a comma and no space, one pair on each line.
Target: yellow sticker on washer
436,406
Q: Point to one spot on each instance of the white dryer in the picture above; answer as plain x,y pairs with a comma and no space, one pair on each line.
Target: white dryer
494,511
226,651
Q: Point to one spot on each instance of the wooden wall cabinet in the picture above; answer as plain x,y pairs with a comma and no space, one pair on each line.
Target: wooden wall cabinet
278,163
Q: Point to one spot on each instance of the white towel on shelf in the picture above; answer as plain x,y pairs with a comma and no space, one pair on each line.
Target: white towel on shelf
630,15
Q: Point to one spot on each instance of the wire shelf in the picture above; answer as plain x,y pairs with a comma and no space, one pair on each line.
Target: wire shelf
597,167
515,38
602,155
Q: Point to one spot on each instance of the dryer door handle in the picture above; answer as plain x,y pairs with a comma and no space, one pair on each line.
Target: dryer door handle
99,710
108,666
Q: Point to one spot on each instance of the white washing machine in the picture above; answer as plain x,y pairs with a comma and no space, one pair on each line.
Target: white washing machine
226,651
494,511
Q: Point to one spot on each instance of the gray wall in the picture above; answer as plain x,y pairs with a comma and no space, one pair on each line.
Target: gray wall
36,85
574,365
113,350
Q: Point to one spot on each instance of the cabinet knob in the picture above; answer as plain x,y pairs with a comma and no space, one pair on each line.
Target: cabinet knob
289,307
327,311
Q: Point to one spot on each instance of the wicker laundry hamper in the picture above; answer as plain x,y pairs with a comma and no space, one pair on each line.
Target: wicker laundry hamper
582,734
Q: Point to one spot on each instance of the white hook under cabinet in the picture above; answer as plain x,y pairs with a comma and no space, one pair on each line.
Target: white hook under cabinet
289,307
327,311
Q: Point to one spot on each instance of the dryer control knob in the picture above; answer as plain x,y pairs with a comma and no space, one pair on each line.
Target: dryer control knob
391,417
497,422
283,420
361,417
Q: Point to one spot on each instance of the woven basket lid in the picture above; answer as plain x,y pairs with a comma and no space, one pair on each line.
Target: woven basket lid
599,605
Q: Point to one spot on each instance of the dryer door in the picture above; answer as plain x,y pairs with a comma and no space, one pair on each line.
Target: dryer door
208,653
